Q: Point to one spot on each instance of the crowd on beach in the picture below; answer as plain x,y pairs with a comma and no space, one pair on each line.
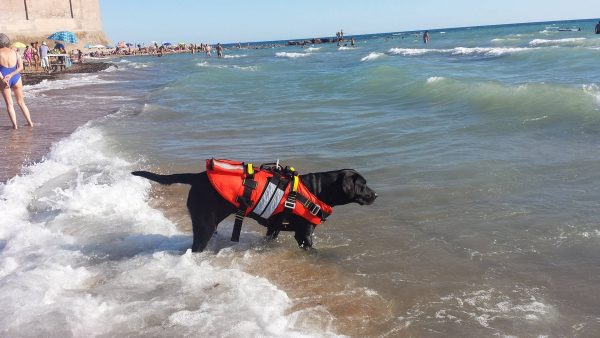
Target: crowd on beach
123,49
36,57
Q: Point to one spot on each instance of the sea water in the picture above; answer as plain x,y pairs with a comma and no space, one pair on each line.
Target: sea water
483,146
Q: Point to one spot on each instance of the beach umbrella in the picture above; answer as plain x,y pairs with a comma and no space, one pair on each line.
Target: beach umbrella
99,46
18,45
64,36
88,46
167,44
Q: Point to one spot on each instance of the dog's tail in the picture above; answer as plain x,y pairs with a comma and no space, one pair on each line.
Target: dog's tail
167,179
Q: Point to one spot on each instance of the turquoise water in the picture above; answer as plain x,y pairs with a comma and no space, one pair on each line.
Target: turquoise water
482,145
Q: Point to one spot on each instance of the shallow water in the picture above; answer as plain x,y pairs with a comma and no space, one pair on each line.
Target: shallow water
482,145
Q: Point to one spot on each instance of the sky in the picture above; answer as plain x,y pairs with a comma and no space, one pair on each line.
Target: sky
230,21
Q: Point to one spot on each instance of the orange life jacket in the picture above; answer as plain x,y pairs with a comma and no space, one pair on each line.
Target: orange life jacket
264,192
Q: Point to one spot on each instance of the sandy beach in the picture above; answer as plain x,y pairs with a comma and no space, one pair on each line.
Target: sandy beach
51,123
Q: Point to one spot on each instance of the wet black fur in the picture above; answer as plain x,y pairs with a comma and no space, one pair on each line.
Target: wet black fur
207,208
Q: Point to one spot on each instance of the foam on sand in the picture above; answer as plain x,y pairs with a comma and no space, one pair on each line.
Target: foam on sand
84,254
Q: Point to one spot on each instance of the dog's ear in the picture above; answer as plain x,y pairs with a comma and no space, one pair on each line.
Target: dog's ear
348,185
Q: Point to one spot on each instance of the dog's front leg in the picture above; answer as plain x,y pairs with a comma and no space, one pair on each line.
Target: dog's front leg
303,235
272,233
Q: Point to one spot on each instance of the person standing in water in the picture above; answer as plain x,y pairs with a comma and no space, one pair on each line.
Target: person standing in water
11,66
598,28
219,50
426,37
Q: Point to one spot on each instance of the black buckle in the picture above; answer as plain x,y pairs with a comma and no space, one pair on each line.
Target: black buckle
315,210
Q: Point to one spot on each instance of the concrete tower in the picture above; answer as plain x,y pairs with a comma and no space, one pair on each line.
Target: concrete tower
35,20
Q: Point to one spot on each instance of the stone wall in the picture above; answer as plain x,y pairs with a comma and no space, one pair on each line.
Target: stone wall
35,20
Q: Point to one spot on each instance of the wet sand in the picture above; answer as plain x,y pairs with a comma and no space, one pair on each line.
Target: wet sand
51,123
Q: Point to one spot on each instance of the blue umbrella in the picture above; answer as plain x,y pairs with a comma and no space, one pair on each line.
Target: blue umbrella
167,44
64,36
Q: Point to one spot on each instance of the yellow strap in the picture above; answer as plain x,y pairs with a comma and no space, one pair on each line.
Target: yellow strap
250,169
296,182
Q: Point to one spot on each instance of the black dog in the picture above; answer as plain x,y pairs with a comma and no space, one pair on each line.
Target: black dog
207,208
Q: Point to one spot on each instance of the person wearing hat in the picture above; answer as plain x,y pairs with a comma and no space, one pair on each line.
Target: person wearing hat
44,56
11,66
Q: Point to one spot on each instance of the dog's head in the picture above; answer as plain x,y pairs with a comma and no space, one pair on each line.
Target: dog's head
355,188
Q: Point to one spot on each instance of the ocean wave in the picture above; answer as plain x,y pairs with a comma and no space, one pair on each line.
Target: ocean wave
292,55
558,42
313,49
372,56
485,51
345,48
78,235
524,100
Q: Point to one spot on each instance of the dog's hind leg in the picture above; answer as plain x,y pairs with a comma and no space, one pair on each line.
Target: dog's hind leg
207,209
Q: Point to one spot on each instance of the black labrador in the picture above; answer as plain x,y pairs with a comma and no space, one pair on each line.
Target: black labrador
207,208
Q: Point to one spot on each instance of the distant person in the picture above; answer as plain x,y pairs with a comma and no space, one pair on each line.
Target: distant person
208,50
598,28
36,55
352,42
219,50
80,55
44,56
11,66
28,56
426,37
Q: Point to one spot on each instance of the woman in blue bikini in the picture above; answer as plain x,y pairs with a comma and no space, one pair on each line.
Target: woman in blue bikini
10,78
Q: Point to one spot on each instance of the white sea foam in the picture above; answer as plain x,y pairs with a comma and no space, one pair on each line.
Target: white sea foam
372,56
292,55
484,51
69,82
313,49
246,68
234,56
593,90
415,51
558,42
501,40
486,306
345,48
83,254
435,79
488,51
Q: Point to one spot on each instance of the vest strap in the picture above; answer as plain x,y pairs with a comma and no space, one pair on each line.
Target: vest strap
290,201
245,202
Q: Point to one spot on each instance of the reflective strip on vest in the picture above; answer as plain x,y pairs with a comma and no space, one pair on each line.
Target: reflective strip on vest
269,201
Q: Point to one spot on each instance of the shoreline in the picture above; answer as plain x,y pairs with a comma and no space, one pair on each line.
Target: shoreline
32,78
51,124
